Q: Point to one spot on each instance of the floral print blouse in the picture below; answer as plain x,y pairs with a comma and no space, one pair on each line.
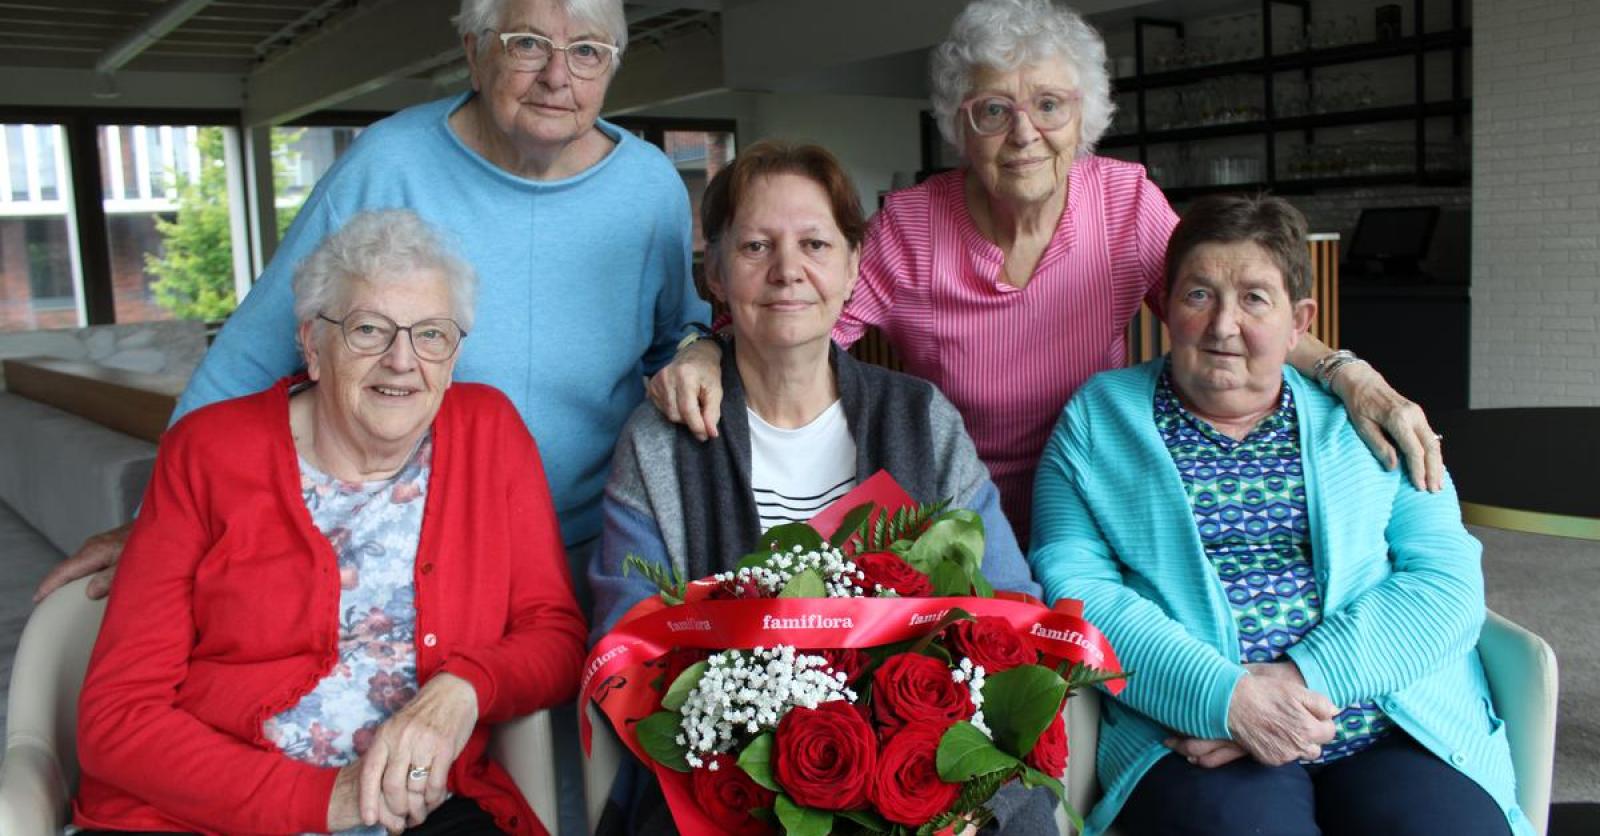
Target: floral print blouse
374,528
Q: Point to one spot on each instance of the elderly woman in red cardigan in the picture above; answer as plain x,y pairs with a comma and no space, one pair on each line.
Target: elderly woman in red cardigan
336,586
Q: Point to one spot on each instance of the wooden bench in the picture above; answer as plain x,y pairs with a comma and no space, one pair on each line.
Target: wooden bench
133,403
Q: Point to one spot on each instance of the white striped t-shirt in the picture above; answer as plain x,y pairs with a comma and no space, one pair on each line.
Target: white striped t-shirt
796,473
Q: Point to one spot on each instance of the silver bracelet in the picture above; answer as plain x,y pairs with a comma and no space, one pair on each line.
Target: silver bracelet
1330,364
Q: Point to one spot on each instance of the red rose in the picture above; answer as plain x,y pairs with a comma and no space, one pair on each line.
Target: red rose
906,788
736,589
679,661
912,689
890,572
823,757
845,660
728,794
991,641
1049,754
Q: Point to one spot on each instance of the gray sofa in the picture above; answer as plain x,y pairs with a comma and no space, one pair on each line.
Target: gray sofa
62,478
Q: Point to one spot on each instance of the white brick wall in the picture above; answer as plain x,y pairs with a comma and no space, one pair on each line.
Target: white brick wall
1536,203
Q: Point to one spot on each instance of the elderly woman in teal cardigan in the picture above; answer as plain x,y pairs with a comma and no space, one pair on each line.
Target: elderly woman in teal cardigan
1301,623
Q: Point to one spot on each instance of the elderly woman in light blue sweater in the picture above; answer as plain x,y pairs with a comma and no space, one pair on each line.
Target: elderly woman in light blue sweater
1302,622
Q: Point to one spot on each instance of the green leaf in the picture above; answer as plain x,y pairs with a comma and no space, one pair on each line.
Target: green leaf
977,792
853,523
783,538
869,820
1034,778
658,734
964,753
949,579
1019,704
925,643
756,761
1073,816
678,693
1078,675
666,579
904,524
956,535
981,586
802,821
805,584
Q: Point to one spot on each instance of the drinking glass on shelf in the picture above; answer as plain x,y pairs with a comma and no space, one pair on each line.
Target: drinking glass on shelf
1292,39
1289,97
1244,39
1364,93
1350,30
1323,34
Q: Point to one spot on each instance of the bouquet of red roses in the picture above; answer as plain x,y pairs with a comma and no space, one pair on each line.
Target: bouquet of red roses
871,682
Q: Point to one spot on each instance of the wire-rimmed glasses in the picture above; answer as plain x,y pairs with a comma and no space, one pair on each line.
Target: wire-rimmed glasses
530,52
370,333
1049,110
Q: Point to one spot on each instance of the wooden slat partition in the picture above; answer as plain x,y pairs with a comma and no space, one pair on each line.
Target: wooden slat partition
134,403
874,348
1325,281
1147,336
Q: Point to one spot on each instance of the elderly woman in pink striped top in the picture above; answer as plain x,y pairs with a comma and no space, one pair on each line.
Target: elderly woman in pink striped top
1010,281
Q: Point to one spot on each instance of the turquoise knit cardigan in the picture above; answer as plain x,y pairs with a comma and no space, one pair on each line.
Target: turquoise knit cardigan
1401,585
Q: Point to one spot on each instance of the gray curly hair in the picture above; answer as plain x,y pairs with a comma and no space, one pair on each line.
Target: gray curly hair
478,16
380,246
1006,34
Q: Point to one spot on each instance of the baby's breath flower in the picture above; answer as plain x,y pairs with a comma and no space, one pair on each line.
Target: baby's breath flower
746,692
839,574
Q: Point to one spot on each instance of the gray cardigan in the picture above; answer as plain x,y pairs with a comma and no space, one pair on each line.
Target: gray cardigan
688,504
685,503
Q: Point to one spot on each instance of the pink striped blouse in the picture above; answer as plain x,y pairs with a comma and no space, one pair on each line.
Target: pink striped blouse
1010,359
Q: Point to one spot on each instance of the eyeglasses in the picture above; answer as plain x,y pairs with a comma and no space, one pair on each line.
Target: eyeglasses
1050,110
368,333
530,53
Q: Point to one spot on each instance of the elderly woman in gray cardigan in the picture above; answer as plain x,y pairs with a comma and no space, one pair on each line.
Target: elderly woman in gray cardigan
803,421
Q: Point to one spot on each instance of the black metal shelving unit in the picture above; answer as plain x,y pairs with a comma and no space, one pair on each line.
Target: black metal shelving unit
1455,40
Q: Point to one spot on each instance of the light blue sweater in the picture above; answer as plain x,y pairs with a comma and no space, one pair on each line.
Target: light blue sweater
1400,576
583,285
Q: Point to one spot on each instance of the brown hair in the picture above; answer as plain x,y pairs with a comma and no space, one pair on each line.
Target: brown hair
770,157
1270,222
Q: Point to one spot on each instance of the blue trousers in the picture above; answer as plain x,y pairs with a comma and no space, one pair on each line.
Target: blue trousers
1394,788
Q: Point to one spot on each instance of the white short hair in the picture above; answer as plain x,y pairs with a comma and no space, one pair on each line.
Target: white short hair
479,16
380,246
1006,34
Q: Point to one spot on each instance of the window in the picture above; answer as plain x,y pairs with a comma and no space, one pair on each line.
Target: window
39,273
698,156
698,148
300,156
168,198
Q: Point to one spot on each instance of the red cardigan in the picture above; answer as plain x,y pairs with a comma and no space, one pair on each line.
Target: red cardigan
225,612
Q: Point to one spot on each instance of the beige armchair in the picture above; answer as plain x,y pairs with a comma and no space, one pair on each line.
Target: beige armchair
40,771
1521,669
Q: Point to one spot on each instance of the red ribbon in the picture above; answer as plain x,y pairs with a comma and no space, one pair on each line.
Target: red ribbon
651,632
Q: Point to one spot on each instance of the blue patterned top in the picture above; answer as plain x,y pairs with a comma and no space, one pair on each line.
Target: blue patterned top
1249,503
374,528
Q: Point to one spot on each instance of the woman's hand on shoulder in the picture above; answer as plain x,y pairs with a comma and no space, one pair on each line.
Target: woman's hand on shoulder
427,734
689,390
1379,414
